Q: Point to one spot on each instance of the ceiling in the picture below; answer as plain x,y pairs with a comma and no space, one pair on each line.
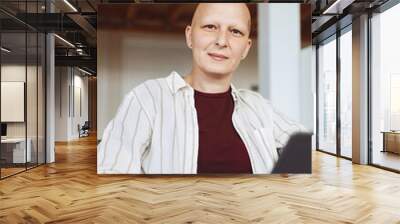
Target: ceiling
76,21
332,15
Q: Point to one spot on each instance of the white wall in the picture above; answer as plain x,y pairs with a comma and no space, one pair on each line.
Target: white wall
61,103
33,126
314,83
127,59
80,82
66,119
284,67
16,72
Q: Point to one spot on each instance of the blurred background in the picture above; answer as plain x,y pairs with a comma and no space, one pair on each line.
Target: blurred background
147,41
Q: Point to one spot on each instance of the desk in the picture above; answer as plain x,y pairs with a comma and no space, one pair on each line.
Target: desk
391,141
16,148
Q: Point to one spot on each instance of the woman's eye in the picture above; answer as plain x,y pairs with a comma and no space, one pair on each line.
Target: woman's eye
210,27
237,32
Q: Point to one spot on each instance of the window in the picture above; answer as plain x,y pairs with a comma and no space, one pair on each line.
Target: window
385,89
327,96
346,94
395,102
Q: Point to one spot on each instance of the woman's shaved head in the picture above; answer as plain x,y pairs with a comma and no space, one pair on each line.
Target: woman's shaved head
219,37
202,10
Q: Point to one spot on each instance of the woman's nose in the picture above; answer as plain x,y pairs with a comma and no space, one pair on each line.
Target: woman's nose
221,40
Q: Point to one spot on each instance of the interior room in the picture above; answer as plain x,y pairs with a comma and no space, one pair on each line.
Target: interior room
66,66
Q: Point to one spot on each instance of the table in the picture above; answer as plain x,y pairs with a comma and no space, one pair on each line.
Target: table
15,148
391,141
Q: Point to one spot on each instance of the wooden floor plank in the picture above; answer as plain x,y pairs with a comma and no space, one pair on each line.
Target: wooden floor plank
70,191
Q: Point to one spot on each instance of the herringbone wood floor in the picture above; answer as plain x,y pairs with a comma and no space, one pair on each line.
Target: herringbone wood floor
70,191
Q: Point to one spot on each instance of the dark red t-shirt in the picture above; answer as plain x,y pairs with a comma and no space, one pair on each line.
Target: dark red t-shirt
221,150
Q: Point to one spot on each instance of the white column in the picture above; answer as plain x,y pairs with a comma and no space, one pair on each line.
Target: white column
50,100
360,90
50,92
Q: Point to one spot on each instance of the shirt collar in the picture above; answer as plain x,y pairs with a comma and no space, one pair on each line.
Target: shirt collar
176,83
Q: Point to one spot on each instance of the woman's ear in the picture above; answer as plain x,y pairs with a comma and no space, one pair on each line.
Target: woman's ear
188,34
246,51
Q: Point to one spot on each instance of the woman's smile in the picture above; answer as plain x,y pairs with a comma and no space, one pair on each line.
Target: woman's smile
218,57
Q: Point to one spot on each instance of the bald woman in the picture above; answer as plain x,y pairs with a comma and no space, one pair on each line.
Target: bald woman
198,123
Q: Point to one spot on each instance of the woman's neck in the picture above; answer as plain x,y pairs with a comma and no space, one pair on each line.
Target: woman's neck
208,83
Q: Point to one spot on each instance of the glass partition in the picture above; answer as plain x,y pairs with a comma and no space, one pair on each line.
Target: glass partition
31,100
41,109
22,88
32,86
13,105
327,96
346,94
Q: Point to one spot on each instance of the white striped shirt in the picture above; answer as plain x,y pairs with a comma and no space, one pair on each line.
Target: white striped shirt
155,130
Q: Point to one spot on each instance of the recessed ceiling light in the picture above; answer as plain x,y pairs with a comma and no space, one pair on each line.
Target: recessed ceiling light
5,49
70,5
84,71
64,40
337,7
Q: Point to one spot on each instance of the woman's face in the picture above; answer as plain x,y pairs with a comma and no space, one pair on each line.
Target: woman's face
219,37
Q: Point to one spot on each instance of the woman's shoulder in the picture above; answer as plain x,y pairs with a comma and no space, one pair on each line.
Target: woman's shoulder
149,93
255,100
149,88
252,96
